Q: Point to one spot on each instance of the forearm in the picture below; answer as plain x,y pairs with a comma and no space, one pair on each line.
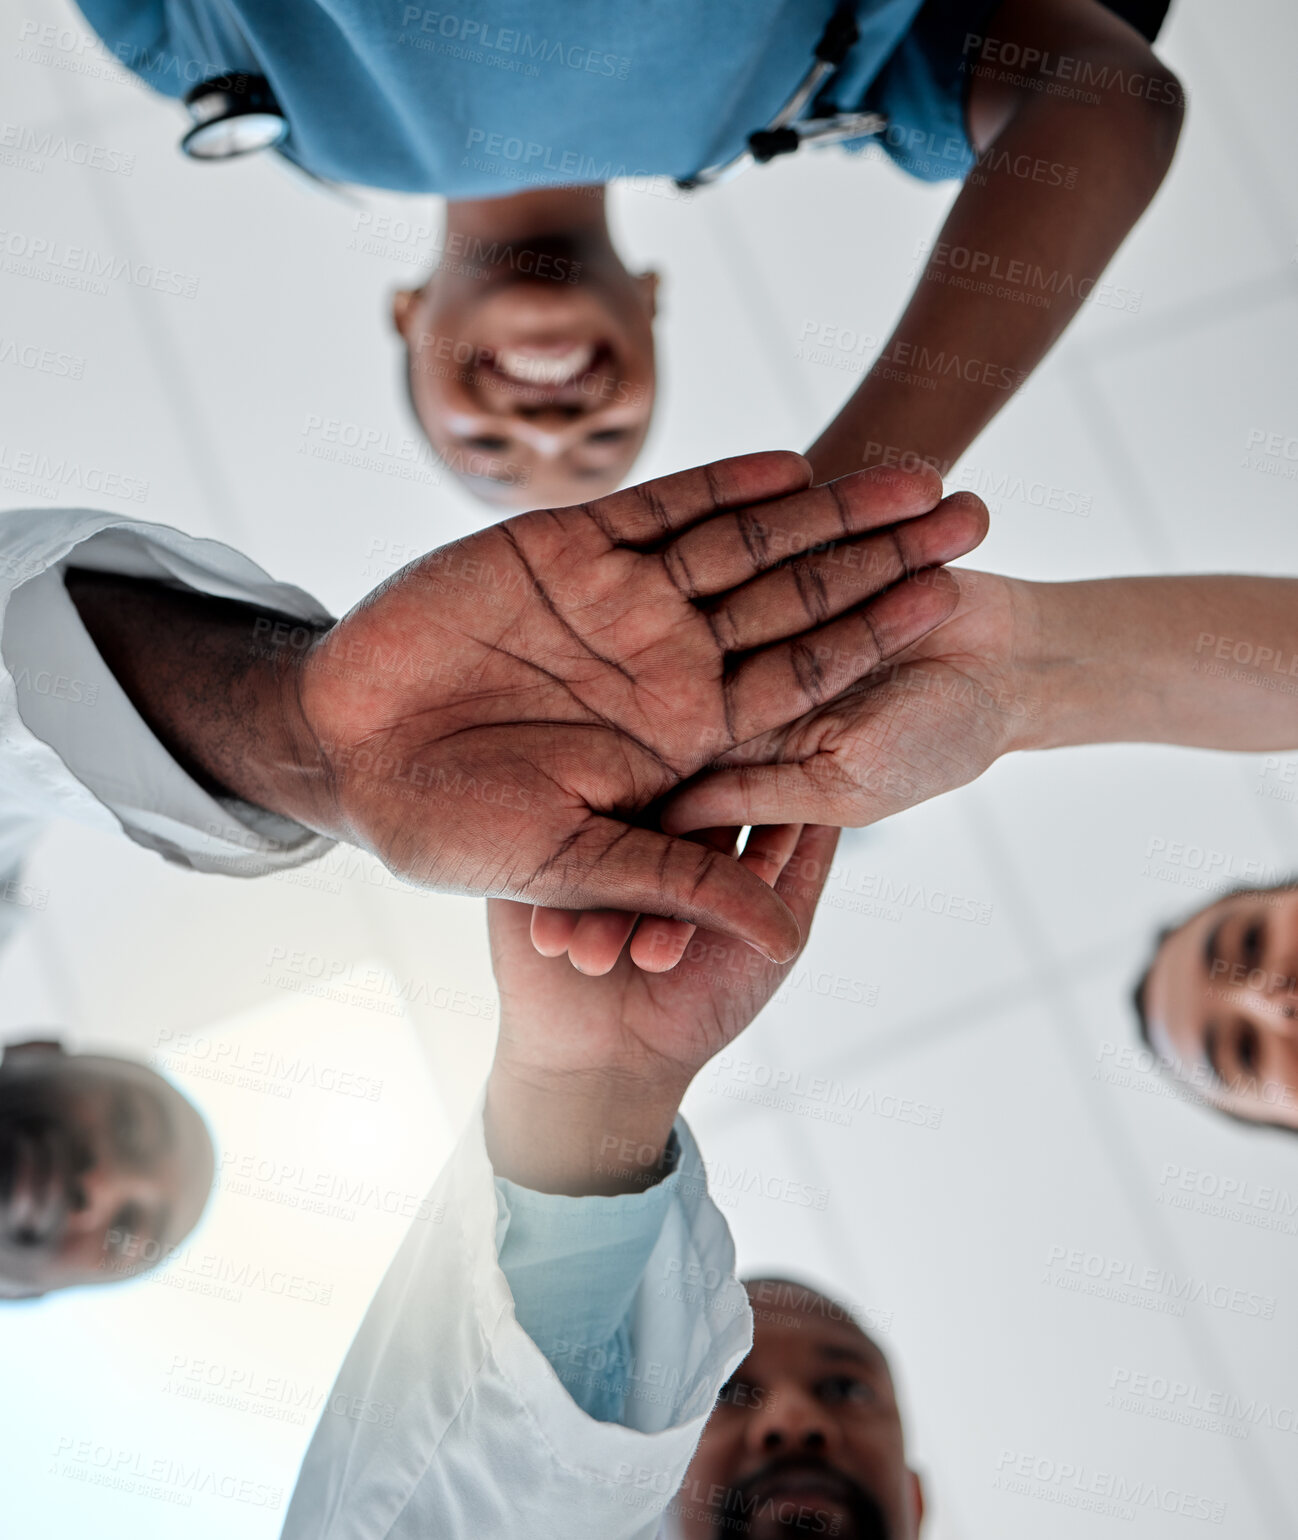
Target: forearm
1061,179
1205,661
582,1134
212,679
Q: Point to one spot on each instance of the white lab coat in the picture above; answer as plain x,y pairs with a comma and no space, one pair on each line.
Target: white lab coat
446,1421
71,743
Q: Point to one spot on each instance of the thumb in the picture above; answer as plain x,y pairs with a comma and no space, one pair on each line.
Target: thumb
651,873
751,794
803,878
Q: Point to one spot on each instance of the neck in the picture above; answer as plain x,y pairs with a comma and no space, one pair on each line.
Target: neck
577,213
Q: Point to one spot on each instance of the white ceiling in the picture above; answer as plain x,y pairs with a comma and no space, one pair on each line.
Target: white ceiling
964,1240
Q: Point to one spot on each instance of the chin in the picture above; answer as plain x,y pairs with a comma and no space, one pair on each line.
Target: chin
499,494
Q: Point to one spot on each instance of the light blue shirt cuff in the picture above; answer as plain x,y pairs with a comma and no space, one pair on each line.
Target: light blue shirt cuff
574,1266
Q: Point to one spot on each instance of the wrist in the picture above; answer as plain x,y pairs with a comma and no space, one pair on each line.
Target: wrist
214,679
1035,666
273,759
1070,663
295,764
584,1133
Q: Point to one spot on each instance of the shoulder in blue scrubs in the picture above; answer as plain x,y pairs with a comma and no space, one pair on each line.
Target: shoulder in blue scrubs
497,96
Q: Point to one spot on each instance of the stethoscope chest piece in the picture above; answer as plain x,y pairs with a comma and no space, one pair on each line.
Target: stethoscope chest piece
788,131
233,115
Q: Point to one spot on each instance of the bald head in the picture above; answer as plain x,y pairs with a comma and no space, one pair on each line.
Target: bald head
104,1166
807,1437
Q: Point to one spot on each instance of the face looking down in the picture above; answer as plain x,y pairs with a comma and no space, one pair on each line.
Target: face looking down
536,391
103,1168
806,1438
1220,1004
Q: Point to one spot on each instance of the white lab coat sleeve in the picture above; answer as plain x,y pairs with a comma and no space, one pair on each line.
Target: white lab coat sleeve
71,743
17,898
447,1422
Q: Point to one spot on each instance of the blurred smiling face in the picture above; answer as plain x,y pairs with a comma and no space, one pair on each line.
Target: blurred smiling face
806,1438
536,392
103,1167
1221,1000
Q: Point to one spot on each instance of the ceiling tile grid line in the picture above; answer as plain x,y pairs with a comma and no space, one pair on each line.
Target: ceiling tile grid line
915,1035
1111,1138
178,379
1140,507
1267,199
1233,301
754,285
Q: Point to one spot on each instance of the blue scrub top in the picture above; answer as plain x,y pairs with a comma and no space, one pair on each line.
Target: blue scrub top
490,97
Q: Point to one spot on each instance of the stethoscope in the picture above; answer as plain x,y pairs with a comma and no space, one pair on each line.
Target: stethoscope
782,135
237,114
233,115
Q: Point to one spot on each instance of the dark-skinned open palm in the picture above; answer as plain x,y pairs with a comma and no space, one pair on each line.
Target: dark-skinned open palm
499,716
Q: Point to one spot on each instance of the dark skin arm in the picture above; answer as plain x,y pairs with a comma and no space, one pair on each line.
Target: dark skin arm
207,675
1071,150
